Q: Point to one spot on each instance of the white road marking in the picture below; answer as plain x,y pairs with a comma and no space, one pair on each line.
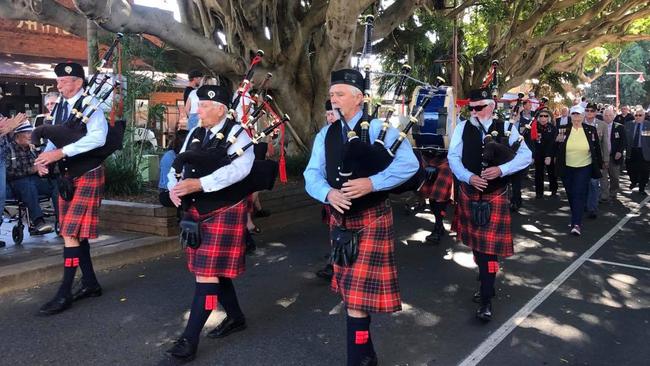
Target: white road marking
506,328
618,264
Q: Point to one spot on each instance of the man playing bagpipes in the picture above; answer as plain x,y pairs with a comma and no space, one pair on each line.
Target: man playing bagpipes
220,218
79,216
361,219
482,216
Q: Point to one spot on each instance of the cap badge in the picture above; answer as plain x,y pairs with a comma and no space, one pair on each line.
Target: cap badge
68,69
211,94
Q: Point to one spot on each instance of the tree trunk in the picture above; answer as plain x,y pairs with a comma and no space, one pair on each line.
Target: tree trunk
93,46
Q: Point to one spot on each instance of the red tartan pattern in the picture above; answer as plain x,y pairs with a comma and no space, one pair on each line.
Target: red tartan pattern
210,302
493,267
79,217
361,337
496,237
222,250
370,284
71,262
440,189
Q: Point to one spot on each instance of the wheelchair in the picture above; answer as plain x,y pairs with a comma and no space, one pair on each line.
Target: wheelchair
21,216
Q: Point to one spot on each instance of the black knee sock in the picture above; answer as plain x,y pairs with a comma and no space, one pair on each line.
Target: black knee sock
438,209
228,298
205,300
488,267
88,278
359,340
70,264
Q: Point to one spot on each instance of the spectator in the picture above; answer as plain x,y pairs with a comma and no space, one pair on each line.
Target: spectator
193,83
578,160
50,100
166,165
6,125
22,178
638,152
564,118
613,143
192,104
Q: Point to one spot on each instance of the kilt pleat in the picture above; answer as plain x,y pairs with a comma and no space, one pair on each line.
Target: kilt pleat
79,217
370,284
222,250
496,237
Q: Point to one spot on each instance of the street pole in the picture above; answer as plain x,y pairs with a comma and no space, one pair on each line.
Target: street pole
617,79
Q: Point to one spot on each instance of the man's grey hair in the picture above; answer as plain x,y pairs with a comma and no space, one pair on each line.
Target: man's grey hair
355,91
51,94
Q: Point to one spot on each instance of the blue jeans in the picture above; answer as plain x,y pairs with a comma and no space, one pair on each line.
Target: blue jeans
593,195
27,190
576,183
192,121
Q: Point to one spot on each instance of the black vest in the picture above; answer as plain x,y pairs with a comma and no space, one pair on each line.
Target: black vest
206,202
473,151
334,148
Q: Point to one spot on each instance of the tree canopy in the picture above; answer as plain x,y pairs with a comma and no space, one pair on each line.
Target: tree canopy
305,40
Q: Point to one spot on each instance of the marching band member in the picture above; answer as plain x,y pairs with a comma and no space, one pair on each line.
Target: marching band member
219,258
486,231
369,284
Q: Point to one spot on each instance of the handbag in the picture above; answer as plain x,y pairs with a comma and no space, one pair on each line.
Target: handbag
190,233
345,246
66,187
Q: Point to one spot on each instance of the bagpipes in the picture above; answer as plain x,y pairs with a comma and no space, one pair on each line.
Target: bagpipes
73,128
198,161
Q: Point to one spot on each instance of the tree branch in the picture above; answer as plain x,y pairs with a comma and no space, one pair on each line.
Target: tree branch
50,12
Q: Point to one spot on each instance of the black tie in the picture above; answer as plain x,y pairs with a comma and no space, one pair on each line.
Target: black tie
64,112
206,139
345,129
637,135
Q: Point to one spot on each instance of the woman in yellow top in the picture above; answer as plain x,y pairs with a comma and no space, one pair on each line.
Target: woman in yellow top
578,160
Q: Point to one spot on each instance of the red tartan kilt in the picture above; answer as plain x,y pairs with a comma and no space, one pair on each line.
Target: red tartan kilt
222,250
440,189
496,237
79,217
371,284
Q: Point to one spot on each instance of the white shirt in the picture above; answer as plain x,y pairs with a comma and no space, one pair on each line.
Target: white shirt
96,129
193,99
227,174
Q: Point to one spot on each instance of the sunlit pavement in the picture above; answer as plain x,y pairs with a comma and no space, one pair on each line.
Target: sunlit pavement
598,316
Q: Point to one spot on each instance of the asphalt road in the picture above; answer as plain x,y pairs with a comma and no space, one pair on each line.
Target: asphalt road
598,316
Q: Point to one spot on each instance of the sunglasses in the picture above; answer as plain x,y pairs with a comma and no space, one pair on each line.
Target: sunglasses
590,110
543,116
639,115
477,108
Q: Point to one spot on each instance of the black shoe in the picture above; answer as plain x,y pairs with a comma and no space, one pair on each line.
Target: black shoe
183,350
227,327
476,298
57,305
369,361
435,236
87,291
41,227
484,313
326,273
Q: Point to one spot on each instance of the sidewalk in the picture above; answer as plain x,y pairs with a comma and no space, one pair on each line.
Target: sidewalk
38,260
